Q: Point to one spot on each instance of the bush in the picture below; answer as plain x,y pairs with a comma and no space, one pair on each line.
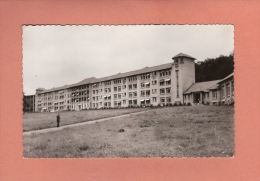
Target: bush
121,130
188,104
83,148
175,104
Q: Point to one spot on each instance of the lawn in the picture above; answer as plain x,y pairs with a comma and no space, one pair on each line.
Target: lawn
192,131
38,121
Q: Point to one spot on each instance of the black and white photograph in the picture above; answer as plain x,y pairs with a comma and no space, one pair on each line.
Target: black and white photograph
128,91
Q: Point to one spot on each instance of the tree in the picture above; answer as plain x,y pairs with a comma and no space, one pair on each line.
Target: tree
24,103
214,68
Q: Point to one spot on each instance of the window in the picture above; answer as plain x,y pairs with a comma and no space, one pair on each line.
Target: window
109,97
147,101
147,84
168,99
135,94
168,81
134,86
119,88
162,82
162,99
142,93
162,91
147,92
119,103
124,101
154,91
115,96
142,85
130,87
154,99
135,102
214,95
168,90
119,96
228,89
130,94
115,89
130,102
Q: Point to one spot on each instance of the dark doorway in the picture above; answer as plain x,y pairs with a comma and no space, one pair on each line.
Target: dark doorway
196,98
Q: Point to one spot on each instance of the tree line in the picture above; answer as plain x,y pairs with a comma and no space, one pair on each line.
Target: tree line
214,68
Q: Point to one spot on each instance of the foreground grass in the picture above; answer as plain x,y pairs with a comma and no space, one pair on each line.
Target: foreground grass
38,121
197,131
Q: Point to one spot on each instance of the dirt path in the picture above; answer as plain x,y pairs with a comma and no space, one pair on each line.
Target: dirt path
80,124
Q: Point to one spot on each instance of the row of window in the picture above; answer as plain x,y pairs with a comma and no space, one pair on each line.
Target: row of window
165,73
80,87
133,102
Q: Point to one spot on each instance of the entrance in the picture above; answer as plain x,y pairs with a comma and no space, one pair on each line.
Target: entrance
196,98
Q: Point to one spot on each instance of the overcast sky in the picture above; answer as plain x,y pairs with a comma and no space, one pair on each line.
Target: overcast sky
58,55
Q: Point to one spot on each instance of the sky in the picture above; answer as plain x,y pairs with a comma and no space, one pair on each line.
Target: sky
54,56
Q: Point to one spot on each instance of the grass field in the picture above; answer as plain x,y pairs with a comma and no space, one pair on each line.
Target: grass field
38,121
194,131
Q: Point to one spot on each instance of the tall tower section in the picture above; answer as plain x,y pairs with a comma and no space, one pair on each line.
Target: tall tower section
183,75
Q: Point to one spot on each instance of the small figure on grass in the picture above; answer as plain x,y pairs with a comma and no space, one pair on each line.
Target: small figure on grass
58,120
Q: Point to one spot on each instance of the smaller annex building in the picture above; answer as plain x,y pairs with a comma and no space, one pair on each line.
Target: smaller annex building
29,103
211,92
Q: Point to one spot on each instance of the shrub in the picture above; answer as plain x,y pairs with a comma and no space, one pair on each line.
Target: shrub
184,104
175,104
121,130
188,104
83,148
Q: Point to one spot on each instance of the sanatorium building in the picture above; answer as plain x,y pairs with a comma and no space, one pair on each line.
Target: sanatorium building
158,85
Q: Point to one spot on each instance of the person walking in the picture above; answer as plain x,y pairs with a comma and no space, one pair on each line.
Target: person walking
58,120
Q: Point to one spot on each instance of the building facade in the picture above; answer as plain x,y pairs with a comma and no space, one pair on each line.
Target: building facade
157,85
211,92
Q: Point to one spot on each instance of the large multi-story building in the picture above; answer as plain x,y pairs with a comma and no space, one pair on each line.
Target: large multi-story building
155,85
